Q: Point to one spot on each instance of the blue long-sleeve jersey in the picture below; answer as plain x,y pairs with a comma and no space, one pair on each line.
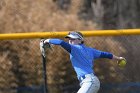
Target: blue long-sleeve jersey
81,56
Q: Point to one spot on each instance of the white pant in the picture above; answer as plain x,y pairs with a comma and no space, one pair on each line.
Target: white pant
90,84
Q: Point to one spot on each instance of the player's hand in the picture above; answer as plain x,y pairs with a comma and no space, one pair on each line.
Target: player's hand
121,62
122,58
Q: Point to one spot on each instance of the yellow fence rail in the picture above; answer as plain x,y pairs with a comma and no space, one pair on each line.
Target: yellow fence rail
33,35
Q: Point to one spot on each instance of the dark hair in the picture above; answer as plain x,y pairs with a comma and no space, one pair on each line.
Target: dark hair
79,33
82,42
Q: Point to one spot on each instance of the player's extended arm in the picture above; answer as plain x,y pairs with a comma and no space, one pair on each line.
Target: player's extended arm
65,45
110,56
100,54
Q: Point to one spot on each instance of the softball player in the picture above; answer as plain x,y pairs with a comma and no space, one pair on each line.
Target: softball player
82,59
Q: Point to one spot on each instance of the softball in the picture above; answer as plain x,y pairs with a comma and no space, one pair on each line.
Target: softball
122,63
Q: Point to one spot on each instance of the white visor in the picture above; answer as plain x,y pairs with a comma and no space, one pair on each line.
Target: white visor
74,35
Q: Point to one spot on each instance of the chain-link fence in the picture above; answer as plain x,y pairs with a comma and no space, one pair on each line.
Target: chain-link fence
21,66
